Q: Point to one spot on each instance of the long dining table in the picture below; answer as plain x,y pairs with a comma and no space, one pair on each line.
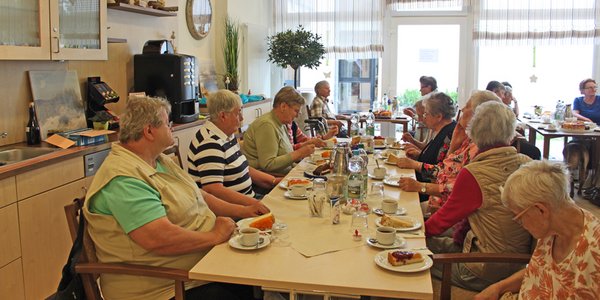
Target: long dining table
321,258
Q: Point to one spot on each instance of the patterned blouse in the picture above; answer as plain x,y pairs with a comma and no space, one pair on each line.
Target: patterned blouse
446,171
576,277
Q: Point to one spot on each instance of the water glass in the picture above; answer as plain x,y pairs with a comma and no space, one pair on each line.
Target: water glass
376,191
280,235
336,186
318,199
360,223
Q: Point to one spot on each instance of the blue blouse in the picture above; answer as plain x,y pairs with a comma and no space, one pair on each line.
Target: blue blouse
591,111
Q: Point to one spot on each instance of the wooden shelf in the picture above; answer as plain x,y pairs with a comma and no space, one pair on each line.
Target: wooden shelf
141,10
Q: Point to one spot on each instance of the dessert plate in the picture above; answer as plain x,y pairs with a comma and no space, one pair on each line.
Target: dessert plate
381,260
289,195
234,242
416,224
284,183
393,181
398,243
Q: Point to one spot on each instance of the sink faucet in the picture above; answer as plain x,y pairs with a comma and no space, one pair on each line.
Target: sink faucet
4,134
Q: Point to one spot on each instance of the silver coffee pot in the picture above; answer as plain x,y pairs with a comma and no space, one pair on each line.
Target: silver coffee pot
339,159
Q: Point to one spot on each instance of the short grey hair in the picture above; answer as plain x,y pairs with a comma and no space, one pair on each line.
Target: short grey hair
537,181
222,101
493,123
289,96
441,104
139,112
319,85
479,97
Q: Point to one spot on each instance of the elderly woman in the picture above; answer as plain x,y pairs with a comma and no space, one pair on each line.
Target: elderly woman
445,173
566,260
439,111
587,107
485,224
266,142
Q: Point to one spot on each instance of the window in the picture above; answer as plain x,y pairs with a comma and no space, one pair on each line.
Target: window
357,80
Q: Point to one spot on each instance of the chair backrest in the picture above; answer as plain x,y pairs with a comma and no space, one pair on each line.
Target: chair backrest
173,152
308,111
92,291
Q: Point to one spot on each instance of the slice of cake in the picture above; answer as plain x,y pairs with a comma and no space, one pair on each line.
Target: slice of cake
263,222
401,258
392,158
395,222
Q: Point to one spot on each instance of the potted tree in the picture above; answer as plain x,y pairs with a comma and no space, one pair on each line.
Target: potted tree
230,55
296,49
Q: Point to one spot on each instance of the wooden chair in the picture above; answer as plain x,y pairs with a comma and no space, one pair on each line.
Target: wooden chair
89,268
447,259
174,153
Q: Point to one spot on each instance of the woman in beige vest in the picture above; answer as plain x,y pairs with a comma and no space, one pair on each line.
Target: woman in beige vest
484,224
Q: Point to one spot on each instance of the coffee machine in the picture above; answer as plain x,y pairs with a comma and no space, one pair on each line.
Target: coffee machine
160,72
99,94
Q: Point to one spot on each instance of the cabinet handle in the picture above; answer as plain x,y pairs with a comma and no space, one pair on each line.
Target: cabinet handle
57,44
260,111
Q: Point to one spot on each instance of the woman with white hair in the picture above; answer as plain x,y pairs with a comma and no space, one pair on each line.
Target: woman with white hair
566,260
485,225
445,173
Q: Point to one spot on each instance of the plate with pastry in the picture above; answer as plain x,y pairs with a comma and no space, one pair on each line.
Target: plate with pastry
401,223
403,261
398,146
288,182
392,159
263,223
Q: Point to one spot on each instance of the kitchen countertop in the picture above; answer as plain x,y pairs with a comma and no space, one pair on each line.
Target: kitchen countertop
64,154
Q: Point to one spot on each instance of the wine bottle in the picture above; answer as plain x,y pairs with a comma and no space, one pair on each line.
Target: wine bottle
33,127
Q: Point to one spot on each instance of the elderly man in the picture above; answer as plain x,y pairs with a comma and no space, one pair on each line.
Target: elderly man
144,209
214,158
320,108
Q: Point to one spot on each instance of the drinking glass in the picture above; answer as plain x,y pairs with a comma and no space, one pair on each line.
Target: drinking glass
280,235
318,199
376,191
360,223
336,186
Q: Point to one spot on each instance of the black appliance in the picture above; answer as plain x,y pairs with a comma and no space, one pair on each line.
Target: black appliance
161,73
99,94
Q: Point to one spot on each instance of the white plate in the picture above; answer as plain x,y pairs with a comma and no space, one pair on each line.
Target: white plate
398,243
289,195
379,146
393,181
376,178
381,260
235,243
574,130
416,224
387,162
284,183
399,212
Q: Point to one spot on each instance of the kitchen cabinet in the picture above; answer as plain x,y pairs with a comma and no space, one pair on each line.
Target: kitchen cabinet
8,191
251,111
53,30
11,277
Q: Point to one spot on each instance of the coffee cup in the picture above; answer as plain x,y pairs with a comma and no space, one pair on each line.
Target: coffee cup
249,236
390,140
298,190
385,235
389,206
379,172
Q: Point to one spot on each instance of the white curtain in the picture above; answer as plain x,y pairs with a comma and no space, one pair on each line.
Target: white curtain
349,29
424,5
535,22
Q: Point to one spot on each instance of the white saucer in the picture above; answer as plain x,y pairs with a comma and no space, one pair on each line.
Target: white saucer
393,181
416,224
381,260
398,243
400,211
289,195
235,243
376,178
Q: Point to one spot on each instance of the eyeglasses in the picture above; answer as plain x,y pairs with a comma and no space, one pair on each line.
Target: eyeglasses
517,217
591,88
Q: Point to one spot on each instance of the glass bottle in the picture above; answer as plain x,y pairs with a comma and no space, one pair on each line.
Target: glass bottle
32,131
370,124
385,102
355,125
364,171
568,112
354,187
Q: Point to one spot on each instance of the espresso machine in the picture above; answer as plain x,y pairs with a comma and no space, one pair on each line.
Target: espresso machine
99,94
160,72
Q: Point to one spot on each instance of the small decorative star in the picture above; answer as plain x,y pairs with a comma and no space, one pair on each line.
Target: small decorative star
533,78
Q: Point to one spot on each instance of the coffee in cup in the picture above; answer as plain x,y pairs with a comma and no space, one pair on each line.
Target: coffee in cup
389,206
385,235
298,190
249,236
379,172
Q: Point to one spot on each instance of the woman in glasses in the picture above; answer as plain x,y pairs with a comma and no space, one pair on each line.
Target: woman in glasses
566,260
587,107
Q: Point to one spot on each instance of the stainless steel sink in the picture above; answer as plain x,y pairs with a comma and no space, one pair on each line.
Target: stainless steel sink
17,154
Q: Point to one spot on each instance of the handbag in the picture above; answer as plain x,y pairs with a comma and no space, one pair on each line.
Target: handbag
70,286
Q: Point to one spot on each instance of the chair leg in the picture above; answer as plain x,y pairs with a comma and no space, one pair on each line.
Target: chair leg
445,292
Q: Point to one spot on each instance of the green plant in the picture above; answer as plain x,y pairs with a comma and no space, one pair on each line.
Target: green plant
296,49
230,54
409,97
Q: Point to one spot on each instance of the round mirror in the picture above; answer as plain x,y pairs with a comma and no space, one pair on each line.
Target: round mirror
198,14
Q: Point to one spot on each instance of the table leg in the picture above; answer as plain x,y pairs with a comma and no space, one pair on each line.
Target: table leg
546,147
532,134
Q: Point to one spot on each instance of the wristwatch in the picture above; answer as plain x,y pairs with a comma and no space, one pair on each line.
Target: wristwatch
423,189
